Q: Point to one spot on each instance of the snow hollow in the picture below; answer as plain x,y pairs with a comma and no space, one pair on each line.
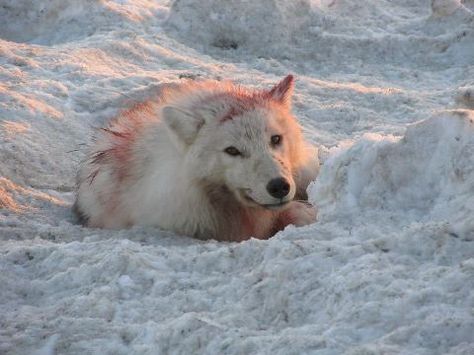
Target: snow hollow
384,88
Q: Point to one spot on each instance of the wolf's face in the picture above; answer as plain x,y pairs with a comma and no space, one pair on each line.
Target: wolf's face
245,144
250,154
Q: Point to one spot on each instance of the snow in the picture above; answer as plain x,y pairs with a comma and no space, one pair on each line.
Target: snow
384,88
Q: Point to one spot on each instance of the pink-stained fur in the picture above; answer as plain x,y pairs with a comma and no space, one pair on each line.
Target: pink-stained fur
199,160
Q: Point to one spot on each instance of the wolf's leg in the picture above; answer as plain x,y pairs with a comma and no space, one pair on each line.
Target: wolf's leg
298,214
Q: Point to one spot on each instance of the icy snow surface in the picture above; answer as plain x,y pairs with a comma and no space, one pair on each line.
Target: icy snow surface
385,88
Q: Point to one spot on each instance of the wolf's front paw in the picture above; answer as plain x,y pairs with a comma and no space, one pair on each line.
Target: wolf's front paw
302,213
298,214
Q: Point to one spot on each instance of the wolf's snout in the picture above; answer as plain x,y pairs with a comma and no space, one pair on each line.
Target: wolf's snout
278,187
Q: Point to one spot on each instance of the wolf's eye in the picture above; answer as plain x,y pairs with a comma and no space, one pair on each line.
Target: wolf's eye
276,139
232,151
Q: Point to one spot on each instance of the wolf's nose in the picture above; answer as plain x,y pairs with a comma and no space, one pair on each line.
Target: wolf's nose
278,187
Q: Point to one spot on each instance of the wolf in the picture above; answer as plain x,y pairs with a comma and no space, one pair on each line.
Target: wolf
207,159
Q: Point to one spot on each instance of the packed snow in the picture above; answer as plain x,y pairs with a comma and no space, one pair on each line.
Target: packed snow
384,88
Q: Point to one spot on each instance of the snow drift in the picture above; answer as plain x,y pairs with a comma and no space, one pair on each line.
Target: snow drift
326,31
52,22
384,88
425,176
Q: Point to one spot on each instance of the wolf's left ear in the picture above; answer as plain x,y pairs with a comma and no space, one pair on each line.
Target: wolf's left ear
283,91
182,123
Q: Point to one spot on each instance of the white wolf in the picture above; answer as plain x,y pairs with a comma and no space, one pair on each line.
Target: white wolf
205,159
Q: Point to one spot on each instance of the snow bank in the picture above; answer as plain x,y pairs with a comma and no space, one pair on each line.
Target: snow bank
389,267
428,175
57,21
229,25
326,31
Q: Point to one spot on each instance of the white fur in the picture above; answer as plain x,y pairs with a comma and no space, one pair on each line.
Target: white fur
163,163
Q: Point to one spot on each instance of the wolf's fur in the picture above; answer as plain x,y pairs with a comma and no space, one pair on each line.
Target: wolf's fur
163,163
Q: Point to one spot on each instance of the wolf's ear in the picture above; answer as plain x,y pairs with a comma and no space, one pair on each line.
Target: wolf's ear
283,91
182,123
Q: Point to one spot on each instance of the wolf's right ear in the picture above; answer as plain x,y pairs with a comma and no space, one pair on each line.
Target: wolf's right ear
282,91
182,123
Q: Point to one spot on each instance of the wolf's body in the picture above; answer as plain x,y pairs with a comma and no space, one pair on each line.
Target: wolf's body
205,159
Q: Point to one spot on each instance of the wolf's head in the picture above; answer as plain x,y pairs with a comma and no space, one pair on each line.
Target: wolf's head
246,142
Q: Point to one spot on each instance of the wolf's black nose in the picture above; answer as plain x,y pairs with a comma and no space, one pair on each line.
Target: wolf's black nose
278,187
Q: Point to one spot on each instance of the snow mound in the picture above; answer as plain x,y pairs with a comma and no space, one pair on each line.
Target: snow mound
389,267
48,22
229,25
57,21
428,175
327,31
